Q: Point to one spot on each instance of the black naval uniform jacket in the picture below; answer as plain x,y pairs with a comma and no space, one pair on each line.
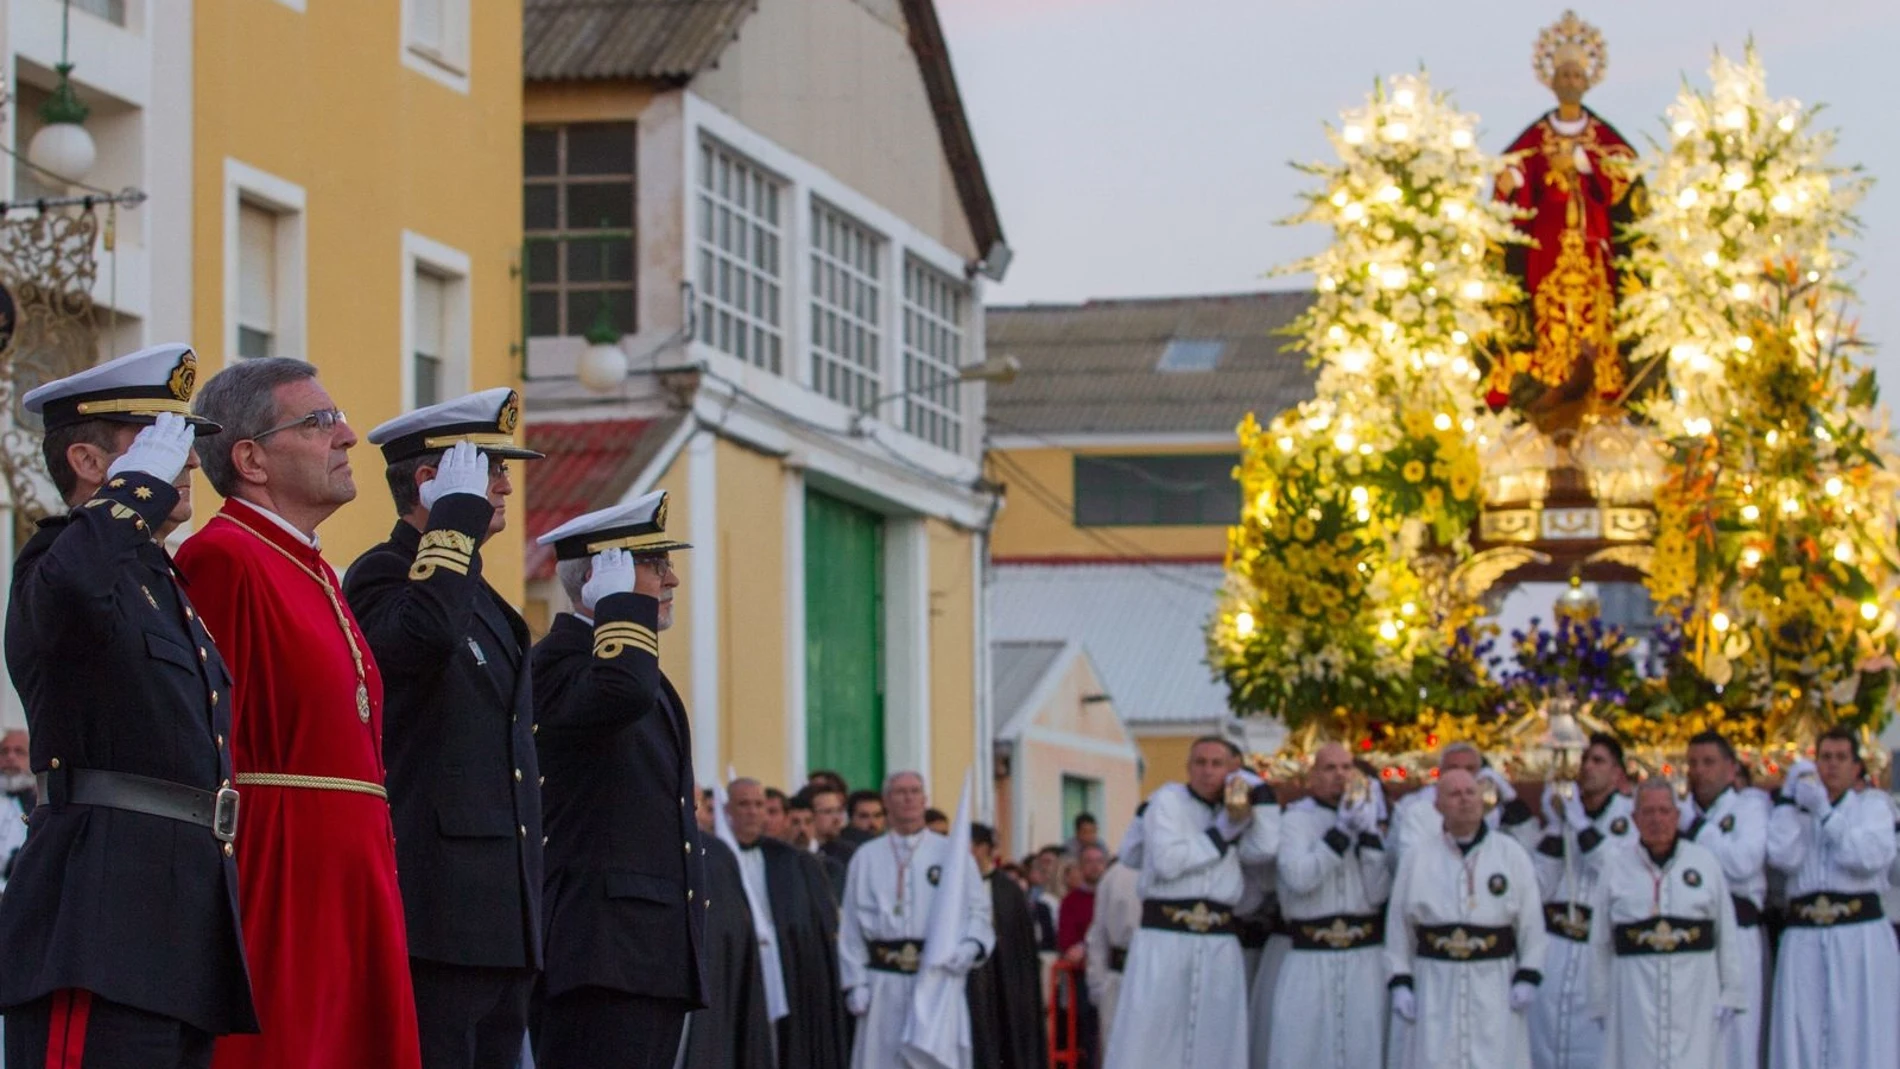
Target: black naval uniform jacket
458,724
118,673
626,888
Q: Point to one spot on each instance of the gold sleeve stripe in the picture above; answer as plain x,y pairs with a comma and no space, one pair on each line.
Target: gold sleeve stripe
639,638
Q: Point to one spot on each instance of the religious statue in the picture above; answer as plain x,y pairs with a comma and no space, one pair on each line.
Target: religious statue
1573,179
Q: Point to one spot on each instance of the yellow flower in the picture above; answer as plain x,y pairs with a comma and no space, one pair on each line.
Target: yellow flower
1303,529
1413,471
1343,542
1330,596
1434,499
1463,481
1417,424
1338,617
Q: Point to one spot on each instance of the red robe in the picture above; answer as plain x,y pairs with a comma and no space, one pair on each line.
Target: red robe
322,915
1569,273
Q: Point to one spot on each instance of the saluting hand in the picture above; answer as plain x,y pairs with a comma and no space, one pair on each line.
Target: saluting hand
462,470
160,450
613,574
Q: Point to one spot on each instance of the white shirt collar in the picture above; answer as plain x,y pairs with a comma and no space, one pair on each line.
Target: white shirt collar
582,617
308,540
1569,127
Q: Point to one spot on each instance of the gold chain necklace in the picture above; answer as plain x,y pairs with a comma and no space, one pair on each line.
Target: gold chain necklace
336,606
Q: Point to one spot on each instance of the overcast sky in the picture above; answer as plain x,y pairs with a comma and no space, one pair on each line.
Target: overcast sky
1140,147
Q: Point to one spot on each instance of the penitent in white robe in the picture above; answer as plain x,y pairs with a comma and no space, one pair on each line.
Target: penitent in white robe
1837,985
1183,1000
1658,994
1735,829
1464,1016
1117,915
1564,1034
874,910
1330,1002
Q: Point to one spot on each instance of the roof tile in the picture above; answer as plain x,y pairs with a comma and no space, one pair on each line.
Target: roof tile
589,465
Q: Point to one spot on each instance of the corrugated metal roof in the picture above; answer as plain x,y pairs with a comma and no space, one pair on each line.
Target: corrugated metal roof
1091,368
1016,671
589,465
579,39
1141,625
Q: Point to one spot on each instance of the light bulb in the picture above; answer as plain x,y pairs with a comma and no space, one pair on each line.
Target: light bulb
1785,124
1735,119
1339,198
602,367
1734,181
1742,291
1459,337
1404,98
1744,343
1353,134
1335,333
1394,277
1473,290
1407,609
1751,557
1395,131
1687,198
1461,139
1782,203
1344,441
1773,437
1390,194
1389,631
1869,611
1718,621
1353,212
1790,506
1454,210
1286,445
1711,258
1243,623
1834,486
1844,552
1750,513
1360,495
1354,361
1683,128
1441,422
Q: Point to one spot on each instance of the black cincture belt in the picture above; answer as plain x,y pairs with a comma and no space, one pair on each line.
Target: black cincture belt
1665,935
1558,922
1191,915
1255,931
216,810
1466,942
1747,913
1338,931
897,955
1117,958
1826,909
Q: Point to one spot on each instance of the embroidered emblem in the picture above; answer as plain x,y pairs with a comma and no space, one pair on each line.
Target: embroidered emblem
1824,911
908,958
184,377
1200,920
659,515
510,416
934,875
143,493
116,483
1692,878
1460,945
1339,935
1498,884
1620,826
442,549
1666,938
1575,927
1728,823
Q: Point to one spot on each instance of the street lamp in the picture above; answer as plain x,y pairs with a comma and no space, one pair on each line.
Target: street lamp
62,147
998,369
603,364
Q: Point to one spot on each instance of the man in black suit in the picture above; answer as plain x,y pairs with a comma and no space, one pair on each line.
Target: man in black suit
119,926
457,729
626,882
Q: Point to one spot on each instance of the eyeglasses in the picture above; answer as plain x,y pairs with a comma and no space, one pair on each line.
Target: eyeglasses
660,565
323,419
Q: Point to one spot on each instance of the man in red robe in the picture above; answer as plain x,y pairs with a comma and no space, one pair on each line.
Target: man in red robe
323,920
1575,177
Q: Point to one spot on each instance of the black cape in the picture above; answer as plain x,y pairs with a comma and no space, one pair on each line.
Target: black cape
805,915
732,1032
1007,1016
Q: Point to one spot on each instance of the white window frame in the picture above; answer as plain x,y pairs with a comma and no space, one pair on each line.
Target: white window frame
449,64
243,184
709,152
923,316
874,380
452,265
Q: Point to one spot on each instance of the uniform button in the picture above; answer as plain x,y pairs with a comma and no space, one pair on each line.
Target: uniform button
55,762
229,850
544,840
542,782
226,785
214,697
534,729
689,894
707,903
682,803
689,849
517,775
220,742
523,830
189,615
202,655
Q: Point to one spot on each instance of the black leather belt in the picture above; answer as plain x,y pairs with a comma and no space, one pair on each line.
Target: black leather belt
1826,909
1747,913
1338,931
1466,942
1665,935
1559,921
897,955
216,811
1117,958
1191,915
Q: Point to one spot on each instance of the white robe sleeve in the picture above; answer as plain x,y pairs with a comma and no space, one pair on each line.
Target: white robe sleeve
1602,959
1306,859
1859,835
1399,938
1261,841
1173,846
1787,837
1743,849
1528,913
1733,991
979,923
853,954
1376,872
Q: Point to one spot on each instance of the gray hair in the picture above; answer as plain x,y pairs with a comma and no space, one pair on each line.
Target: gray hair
899,774
573,576
243,398
1656,783
401,475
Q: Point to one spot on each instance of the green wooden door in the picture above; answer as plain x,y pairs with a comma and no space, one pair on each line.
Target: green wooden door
844,640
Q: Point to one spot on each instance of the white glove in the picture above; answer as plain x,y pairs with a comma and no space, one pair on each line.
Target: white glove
1802,768
1404,1003
613,574
1228,829
858,1000
1553,806
1506,792
1810,795
1522,995
160,450
462,470
963,958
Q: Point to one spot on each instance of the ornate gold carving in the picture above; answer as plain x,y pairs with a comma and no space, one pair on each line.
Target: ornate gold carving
184,377
1200,920
1570,39
510,416
1461,945
1509,525
1666,938
1825,911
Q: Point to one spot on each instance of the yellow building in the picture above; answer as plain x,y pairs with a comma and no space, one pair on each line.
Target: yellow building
1115,448
771,219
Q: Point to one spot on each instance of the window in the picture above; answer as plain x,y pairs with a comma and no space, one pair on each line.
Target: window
435,329
740,270
430,305
578,203
1079,795
435,40
1191,354
845,295
933,351
257,281
1151,491
112,11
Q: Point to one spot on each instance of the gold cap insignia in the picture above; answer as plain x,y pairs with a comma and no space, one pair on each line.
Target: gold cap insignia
184,377
510,417
659,514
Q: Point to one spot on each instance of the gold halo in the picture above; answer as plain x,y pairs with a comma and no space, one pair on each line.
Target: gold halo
1570,35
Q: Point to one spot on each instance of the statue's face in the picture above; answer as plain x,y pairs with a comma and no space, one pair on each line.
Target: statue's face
1569,82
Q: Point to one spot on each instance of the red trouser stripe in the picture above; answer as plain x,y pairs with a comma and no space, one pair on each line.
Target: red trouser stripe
66,1036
